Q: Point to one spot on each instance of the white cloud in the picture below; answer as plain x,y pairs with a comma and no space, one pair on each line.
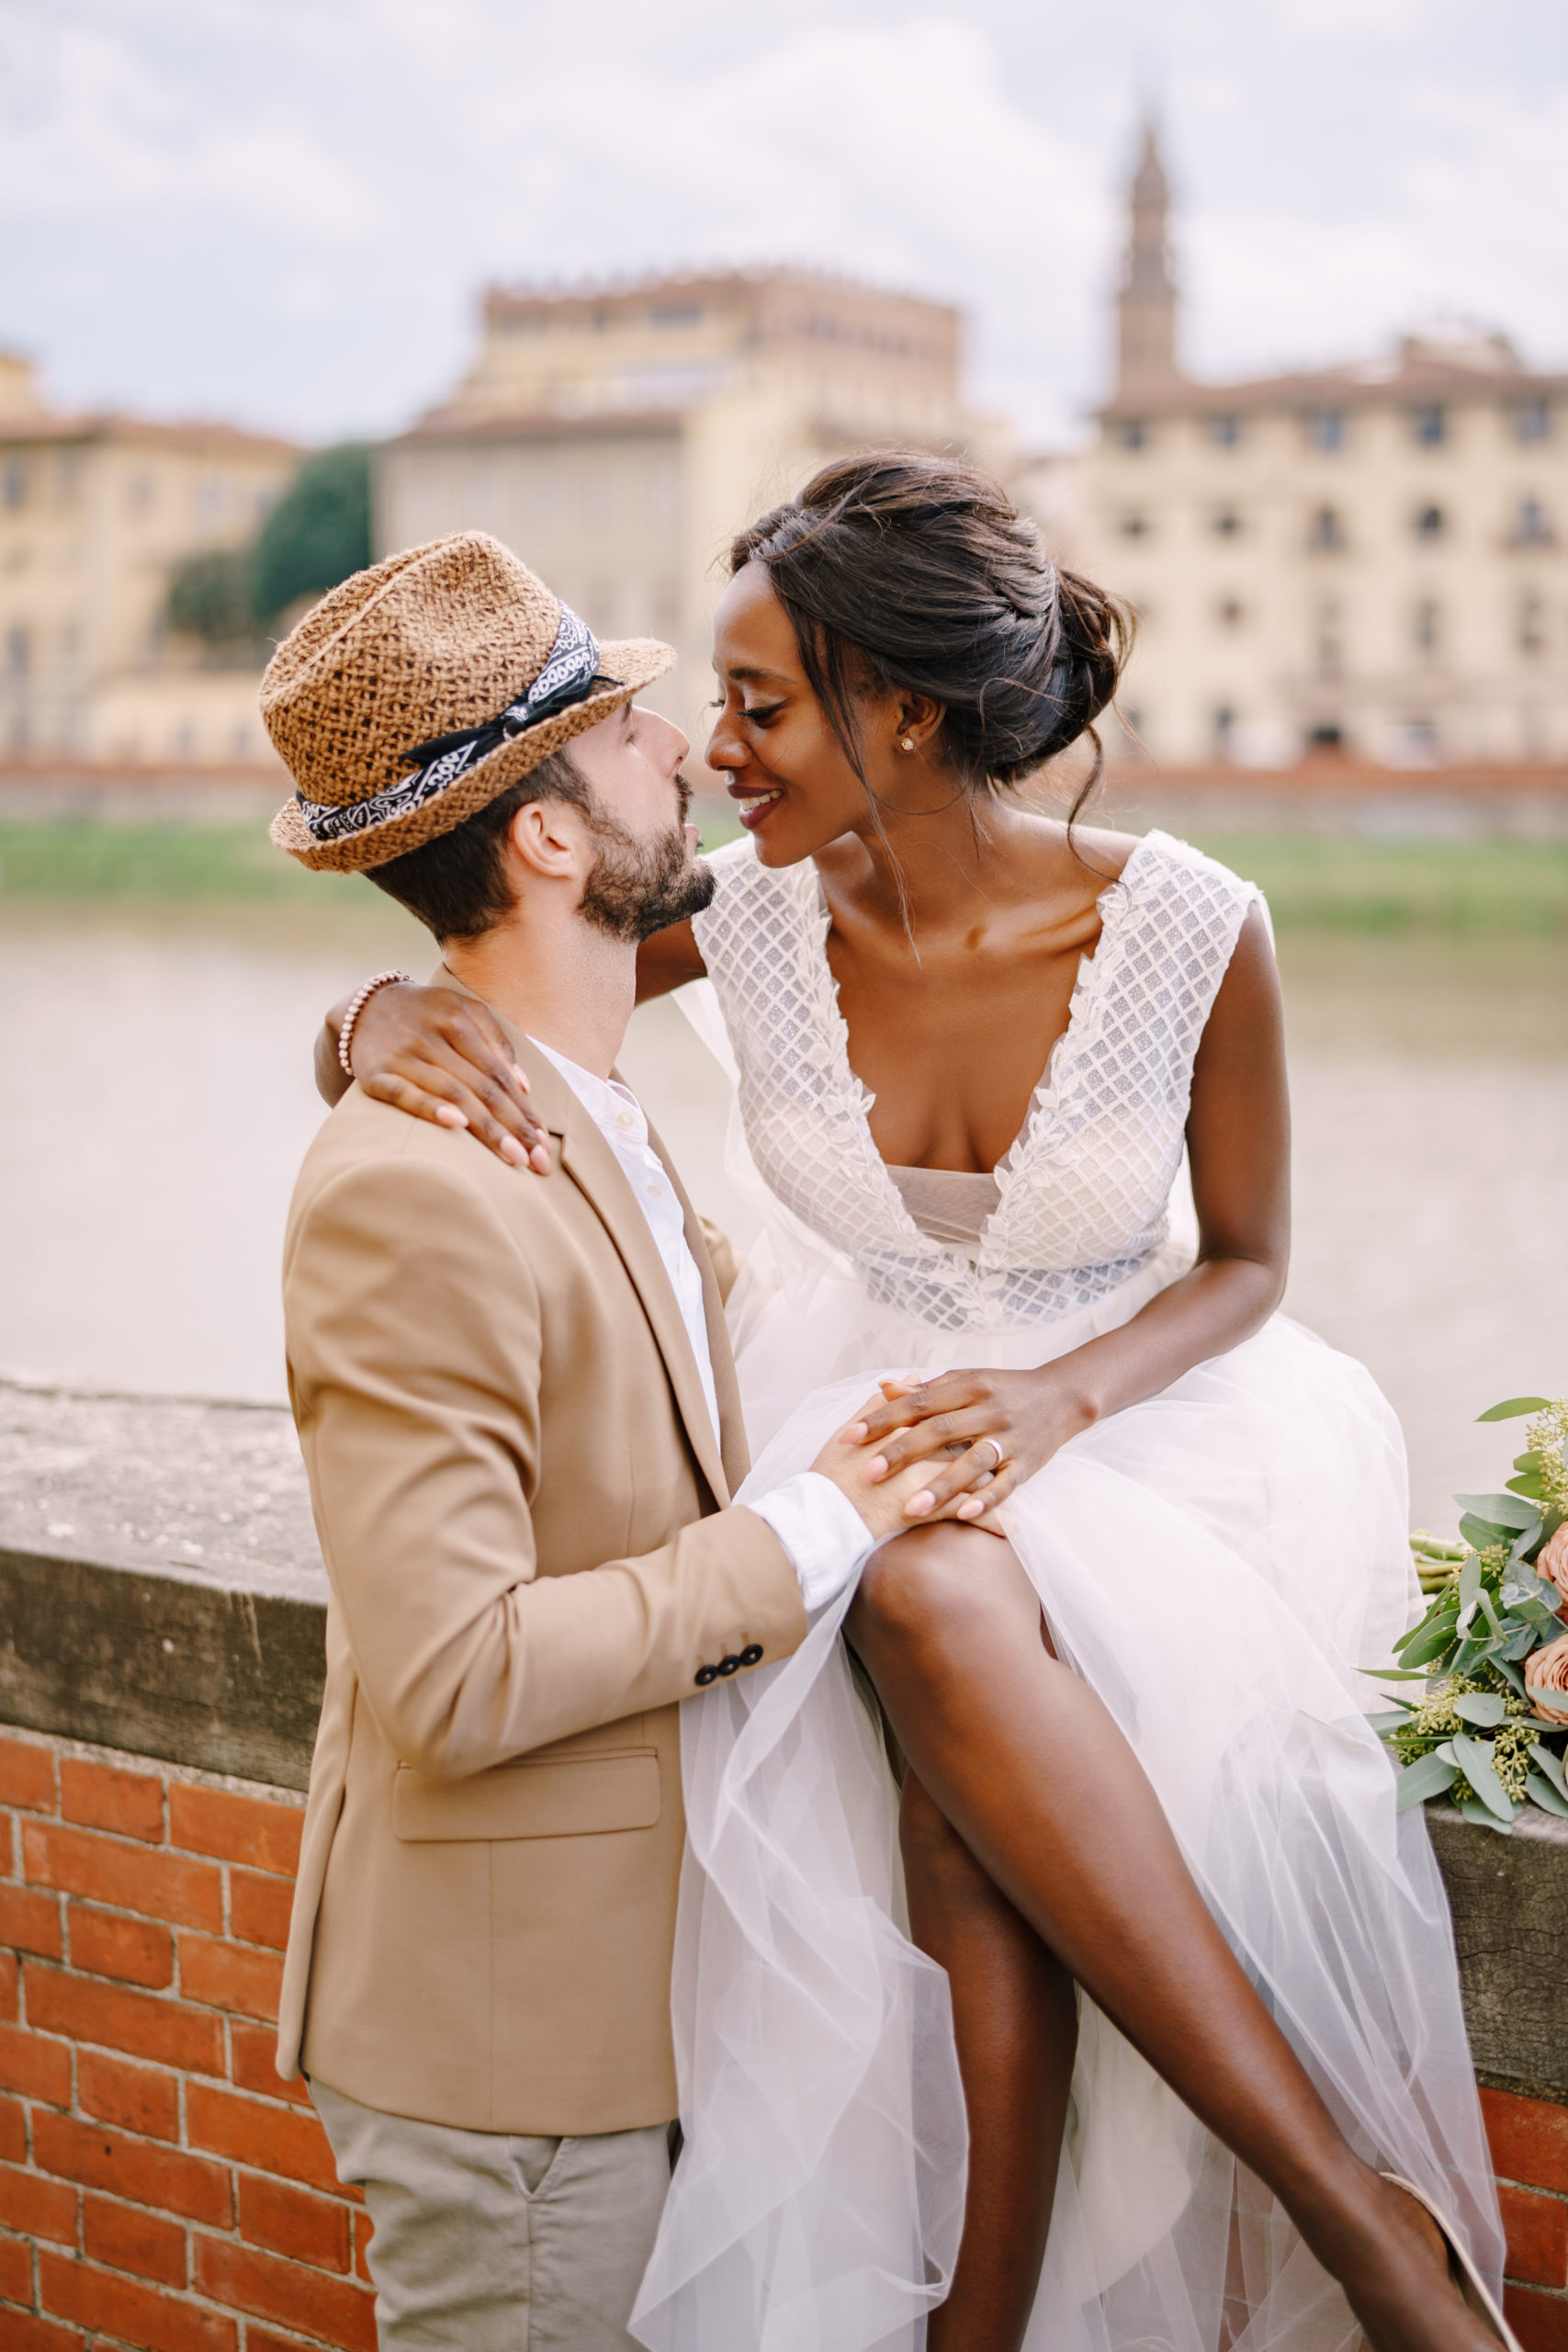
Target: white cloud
291,203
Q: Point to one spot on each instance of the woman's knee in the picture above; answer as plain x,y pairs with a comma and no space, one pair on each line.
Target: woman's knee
929,1585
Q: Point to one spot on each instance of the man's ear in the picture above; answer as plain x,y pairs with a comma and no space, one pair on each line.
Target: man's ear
545,835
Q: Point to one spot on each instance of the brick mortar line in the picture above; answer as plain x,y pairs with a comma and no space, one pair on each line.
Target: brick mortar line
121,1759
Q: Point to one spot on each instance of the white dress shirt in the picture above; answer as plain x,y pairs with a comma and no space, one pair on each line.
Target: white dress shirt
820,1529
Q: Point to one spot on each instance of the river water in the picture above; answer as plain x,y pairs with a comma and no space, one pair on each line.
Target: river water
155,1099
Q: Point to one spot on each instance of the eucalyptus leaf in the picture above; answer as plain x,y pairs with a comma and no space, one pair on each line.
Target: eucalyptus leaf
1484,1533
1443,1613
1483,1818
1511,1674
1429,1777
1436,1639
1469,1585
1531,1461
1474,1759
1546,1796
1551,1765
1519,1647
1503,1511
1397,1673
1512,1407
1529,1539
1484,1707
1528,1483
1489,1611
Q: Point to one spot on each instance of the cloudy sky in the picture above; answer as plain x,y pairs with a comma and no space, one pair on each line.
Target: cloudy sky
281,211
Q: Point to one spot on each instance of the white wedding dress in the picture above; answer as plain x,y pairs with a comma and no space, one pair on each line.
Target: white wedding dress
1216,1563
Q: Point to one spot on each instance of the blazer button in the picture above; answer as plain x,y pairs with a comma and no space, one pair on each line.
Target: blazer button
752,1655
728,1665
707,1674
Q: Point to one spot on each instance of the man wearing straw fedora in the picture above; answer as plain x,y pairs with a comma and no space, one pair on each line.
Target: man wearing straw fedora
518,1413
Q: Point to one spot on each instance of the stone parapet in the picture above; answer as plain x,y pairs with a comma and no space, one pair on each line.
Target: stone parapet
163,1604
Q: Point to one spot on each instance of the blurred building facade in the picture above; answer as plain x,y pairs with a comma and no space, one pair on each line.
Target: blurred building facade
1371,558
618,437
95,513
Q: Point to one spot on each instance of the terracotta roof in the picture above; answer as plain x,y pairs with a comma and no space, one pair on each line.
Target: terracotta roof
452,425
1370,384
212,438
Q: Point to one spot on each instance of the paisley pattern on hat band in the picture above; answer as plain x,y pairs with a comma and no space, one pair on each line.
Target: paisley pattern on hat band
568,676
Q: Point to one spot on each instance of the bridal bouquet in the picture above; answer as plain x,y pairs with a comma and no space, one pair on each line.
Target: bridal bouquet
1492,1649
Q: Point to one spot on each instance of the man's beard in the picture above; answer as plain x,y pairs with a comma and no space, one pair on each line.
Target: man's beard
636,887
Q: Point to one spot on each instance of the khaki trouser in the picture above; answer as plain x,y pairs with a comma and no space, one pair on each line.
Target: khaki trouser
486,2242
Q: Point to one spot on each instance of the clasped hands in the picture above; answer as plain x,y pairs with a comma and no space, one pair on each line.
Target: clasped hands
954,1447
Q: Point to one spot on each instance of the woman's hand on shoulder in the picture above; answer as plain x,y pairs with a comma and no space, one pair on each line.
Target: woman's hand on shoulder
443,1057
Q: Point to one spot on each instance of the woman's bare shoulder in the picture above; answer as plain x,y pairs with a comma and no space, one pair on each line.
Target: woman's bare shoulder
1090,853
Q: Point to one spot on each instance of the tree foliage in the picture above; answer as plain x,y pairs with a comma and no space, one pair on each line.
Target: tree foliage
316,534
210,598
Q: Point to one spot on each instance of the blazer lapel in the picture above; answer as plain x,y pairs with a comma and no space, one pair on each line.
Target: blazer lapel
588,1159
727,1387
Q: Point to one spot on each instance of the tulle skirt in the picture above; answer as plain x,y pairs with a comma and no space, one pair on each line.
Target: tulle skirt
1217,1563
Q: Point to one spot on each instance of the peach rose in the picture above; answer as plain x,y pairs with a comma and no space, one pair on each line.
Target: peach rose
1551,1561
1546,1681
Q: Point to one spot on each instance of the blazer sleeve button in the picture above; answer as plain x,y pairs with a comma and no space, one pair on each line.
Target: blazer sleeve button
753,1653
731,1664
707,1674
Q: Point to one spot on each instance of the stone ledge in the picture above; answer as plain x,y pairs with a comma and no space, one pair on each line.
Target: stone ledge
162,1594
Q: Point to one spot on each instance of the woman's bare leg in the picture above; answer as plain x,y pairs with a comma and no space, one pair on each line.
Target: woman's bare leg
1015,2022
1035,1776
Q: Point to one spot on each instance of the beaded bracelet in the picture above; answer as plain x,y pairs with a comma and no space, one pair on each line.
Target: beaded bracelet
357,1004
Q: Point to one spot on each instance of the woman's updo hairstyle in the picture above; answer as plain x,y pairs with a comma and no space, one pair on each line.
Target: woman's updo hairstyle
915,572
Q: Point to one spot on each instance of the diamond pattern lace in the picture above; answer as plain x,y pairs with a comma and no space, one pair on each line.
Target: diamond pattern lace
1084,1190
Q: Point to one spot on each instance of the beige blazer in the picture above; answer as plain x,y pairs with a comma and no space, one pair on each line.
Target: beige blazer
521,1507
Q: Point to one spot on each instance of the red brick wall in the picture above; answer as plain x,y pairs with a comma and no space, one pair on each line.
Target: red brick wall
1529,2154
159,2188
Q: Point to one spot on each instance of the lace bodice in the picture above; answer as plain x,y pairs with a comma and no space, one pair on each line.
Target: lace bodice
1085,1188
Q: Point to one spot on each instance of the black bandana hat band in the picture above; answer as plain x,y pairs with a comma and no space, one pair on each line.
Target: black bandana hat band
568,676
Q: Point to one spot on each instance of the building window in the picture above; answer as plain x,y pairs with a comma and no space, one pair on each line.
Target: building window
1430,425
18,650
1230,612
1134,527
1428,627
1226,524
1326,531
1326,737
1430,523
1225,731
1326,428
1330,644
1225,432
1532,527
1532,419
676,314
1131,433
14,483
1529,633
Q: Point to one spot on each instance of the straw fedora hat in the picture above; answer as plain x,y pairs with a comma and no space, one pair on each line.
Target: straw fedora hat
413,694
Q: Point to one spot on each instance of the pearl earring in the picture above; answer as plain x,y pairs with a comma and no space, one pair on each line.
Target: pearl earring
908,744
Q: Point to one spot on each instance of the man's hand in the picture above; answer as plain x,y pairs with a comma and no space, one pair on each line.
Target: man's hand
881,1497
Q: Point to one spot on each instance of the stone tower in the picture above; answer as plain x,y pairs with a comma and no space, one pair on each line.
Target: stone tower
1145,304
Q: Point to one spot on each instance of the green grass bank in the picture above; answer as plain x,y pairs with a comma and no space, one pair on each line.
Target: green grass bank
1330,883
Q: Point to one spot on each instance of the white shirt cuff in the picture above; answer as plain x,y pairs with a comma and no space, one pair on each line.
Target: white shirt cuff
820,1529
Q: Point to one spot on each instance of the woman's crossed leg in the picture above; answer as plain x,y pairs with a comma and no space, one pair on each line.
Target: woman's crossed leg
1020,1777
